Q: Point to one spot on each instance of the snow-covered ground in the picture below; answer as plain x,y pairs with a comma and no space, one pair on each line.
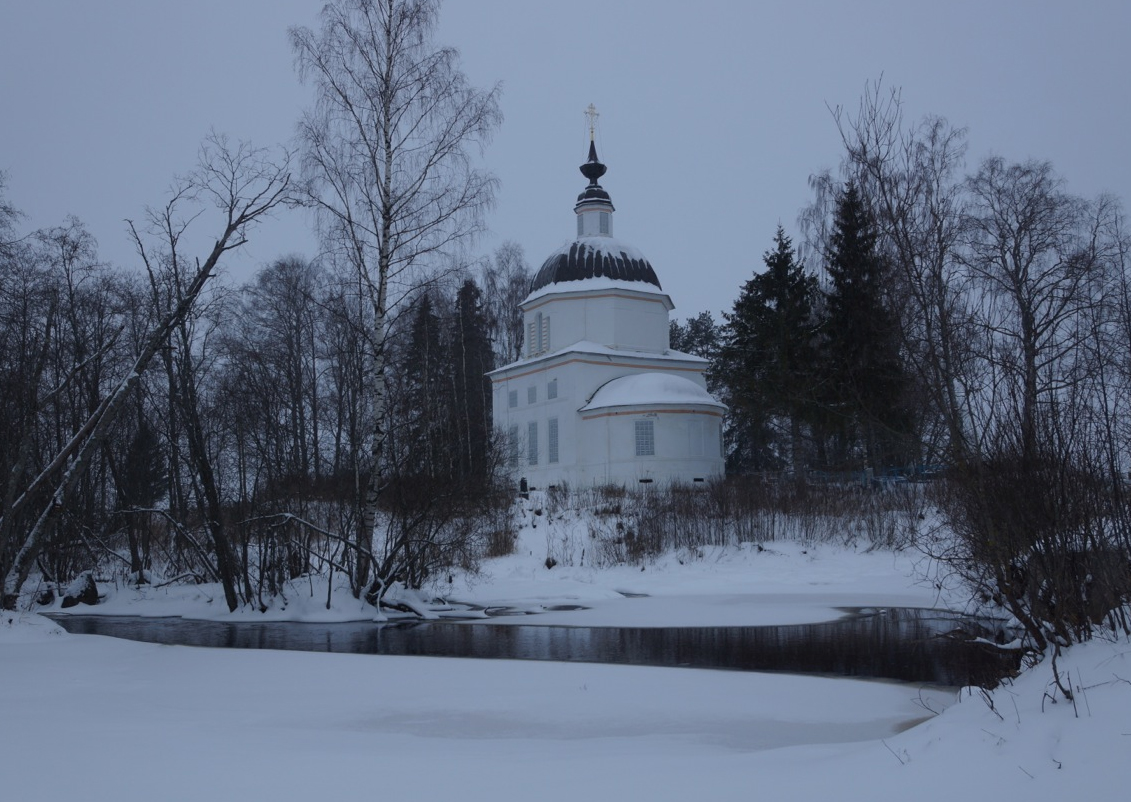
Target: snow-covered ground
100,718
780,582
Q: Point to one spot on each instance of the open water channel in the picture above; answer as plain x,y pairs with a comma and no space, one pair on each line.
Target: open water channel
911,645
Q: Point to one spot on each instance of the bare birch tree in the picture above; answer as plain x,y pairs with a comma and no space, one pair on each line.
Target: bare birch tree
506,281
1041,258
387,151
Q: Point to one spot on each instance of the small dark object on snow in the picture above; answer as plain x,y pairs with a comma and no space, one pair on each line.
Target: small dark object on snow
81,591
551,562
45,597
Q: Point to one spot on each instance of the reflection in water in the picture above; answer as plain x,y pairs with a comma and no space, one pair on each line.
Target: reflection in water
902,644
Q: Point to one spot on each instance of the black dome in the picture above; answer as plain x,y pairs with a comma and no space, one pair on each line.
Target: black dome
595,257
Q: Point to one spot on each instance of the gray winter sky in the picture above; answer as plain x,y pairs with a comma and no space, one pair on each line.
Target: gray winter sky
713,114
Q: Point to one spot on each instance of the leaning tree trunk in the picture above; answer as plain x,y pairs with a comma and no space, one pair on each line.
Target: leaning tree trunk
88,441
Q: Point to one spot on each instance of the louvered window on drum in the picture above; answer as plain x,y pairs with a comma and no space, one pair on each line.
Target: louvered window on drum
538,335
604,222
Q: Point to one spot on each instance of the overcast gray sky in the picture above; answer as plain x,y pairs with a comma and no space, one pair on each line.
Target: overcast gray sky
713,114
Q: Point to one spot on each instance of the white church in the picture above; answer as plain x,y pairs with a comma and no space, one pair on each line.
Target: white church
599,397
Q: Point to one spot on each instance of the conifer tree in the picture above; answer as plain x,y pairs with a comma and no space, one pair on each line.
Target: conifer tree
472,358
865,383
700,336
767,361
426,398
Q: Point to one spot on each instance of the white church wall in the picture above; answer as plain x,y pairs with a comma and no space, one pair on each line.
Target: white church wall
611,441
543,393
638,325
566,326
610,316
600,447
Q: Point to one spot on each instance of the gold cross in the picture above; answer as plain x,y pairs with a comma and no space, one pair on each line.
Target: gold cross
592,114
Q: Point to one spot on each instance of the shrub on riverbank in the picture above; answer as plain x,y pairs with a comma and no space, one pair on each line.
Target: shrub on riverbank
631,525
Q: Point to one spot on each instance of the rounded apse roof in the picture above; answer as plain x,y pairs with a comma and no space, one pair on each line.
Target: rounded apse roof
639,389
595,257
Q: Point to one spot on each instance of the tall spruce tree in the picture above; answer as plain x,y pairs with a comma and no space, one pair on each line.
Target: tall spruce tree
866,386
767,362
426,397
472,357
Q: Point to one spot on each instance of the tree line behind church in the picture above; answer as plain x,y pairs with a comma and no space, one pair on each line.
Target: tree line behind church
927,318
813,376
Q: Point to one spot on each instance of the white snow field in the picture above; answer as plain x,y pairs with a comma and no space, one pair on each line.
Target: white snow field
103,719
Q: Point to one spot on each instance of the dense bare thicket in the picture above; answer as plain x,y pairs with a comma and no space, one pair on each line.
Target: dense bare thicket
286,428
1011,295
61,306
240,455
635,525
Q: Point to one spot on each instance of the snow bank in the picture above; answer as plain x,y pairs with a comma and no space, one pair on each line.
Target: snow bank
27,628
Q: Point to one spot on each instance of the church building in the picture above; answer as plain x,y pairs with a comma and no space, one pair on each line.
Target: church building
599,397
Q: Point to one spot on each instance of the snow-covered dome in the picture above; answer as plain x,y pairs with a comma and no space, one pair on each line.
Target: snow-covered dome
594,257
595,253
646,389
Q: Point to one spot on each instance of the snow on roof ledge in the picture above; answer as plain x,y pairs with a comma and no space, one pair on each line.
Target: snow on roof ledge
601,283
650,388
596,349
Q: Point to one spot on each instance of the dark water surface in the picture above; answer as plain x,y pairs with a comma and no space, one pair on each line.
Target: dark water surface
901,644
